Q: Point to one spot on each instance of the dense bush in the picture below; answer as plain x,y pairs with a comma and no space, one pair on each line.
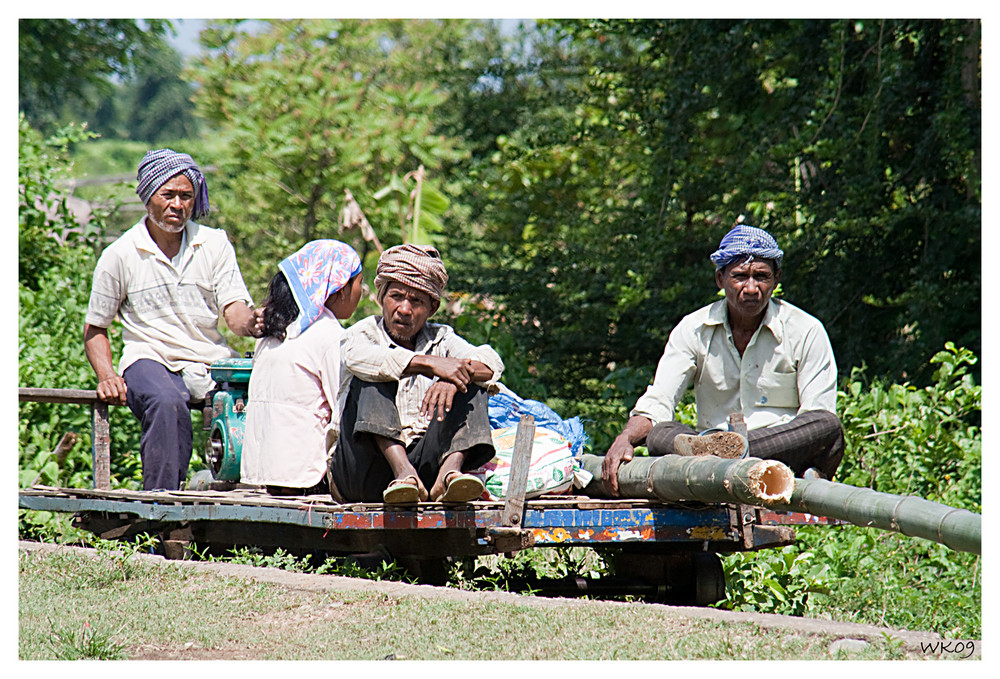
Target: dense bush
57,258
901,440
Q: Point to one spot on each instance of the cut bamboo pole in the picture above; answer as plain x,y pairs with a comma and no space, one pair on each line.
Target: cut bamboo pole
769,483
958,529
705,479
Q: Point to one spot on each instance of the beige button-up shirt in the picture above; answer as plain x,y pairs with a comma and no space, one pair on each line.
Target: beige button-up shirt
370,354
787,368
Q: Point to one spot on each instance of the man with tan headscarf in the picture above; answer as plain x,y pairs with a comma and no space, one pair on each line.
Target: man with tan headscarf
416,419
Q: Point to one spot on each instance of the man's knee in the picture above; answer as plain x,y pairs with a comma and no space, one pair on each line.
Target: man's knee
826,424
660,439
373,405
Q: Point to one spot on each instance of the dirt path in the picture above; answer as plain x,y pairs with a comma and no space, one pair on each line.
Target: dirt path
319,583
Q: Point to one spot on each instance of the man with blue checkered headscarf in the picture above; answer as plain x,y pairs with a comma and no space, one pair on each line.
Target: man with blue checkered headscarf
748,354
167,279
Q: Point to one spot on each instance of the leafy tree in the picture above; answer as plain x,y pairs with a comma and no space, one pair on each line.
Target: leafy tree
307,111
849,140
153,105
64,61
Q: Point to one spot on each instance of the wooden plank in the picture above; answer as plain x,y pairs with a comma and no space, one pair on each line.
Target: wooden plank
84,396
101,446
737,424
513,510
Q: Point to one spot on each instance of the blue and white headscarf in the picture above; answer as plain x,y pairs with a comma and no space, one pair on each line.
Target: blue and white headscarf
746,242
159,166
319,269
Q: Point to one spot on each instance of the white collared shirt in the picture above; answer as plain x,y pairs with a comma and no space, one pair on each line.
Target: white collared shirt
788,367
370,354
169,312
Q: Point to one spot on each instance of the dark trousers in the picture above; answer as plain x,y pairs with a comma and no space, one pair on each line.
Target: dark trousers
359,469
814,438
159,399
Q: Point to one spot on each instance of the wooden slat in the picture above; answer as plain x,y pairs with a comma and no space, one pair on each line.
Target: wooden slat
84,396
101,448
513,510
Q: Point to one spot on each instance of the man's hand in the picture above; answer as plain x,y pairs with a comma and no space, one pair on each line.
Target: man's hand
438,400
112,390
460,372
620,451
110,385
255,326
243,319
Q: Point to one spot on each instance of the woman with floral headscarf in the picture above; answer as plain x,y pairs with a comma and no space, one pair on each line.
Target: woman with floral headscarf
296,386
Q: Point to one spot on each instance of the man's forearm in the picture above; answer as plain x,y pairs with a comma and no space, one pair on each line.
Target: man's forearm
97,346
481,372
636,430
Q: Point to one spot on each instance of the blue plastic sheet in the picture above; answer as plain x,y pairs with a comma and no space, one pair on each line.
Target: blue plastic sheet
506,408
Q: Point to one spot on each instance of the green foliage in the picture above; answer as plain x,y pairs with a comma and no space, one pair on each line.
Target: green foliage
309,109
582,171
72,61
349,568
911,441
386,569
252,556
57,258
46,224
889,579
905,441
855,143
775,581
152,105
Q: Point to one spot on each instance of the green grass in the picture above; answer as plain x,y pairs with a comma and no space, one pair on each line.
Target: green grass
115,607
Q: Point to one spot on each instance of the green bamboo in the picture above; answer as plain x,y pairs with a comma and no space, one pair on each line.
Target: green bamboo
958,529
713,479
705,479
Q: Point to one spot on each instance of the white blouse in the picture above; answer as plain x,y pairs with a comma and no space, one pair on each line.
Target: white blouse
296,396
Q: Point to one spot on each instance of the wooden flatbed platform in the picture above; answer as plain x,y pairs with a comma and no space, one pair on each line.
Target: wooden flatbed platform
246,516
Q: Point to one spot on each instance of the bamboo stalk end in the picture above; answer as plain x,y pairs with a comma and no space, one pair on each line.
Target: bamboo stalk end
771,482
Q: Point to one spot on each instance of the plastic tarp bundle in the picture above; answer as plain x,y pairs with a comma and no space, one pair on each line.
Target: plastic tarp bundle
506,409
555,452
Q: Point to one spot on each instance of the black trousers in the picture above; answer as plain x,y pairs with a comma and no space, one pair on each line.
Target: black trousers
358,468
814,438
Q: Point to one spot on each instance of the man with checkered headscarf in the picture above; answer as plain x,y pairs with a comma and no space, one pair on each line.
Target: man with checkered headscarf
167,279
749,354
416,416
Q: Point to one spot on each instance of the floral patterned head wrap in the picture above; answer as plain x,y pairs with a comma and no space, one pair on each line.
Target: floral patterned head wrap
319,269
746,242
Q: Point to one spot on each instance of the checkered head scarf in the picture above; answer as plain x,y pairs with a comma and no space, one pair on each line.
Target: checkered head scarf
319,269
418,266
160,166
746,243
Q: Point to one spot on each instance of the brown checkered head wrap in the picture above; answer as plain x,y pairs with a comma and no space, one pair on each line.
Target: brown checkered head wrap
418,266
